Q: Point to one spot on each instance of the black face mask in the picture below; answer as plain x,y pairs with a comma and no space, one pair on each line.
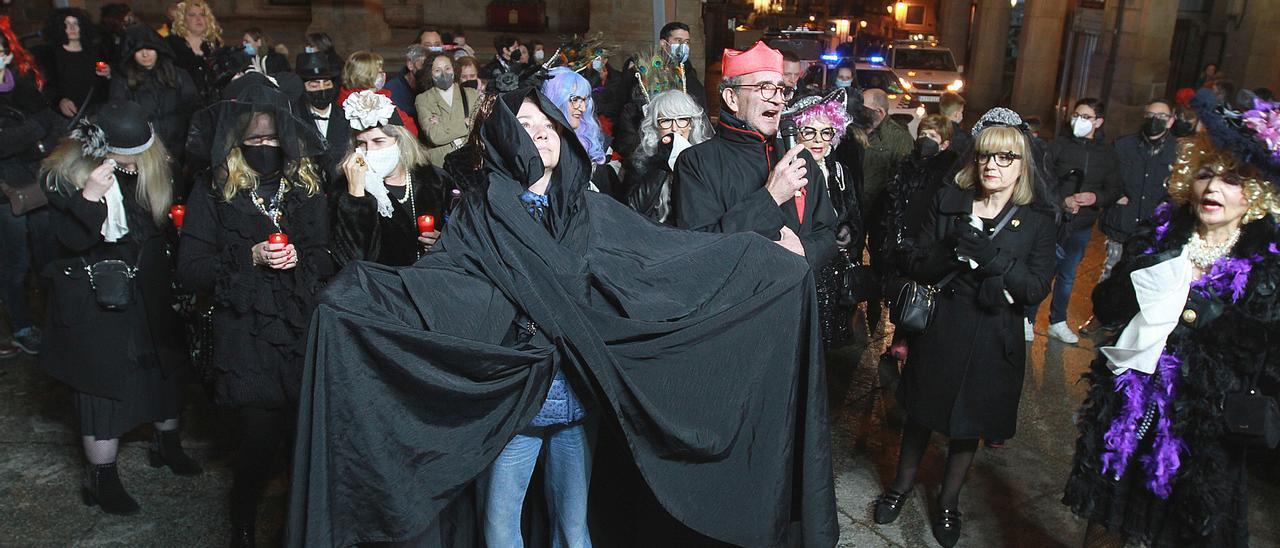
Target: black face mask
927,147
322,98
515,56
1182,128
1152,127
264,159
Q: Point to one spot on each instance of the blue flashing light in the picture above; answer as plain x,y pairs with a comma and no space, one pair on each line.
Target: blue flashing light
878,60
831,58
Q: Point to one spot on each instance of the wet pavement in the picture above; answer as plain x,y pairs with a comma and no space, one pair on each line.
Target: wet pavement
1011,497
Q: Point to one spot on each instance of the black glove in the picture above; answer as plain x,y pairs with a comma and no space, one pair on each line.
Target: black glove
972,243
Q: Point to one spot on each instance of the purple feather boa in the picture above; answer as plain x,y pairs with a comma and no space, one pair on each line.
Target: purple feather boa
1226,279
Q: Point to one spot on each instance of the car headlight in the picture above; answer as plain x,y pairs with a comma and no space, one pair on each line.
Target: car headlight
920,112
956,85
905,84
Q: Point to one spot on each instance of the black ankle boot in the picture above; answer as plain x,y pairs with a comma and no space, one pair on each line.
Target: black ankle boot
166,449
889,505
102,487
946,529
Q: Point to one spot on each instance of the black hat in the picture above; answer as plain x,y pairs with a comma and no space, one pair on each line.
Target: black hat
119,127
314,66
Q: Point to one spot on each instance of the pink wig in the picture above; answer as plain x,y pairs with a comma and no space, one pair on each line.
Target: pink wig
832,112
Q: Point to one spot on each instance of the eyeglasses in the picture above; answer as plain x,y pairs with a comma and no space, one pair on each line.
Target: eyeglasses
261,140
1088,117
1002,159
576,101
1159,116
769,90
812,134
681,123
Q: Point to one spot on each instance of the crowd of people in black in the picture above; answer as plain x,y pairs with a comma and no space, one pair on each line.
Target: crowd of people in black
422,283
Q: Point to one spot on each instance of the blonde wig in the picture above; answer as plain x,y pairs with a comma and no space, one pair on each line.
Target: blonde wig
67,169
301,174
1002,139
1197,152
361,70
212,32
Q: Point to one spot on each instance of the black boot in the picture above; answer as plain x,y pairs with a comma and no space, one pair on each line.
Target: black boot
101,486
166,449
946,529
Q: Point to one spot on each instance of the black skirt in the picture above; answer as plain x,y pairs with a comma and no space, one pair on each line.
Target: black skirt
149,396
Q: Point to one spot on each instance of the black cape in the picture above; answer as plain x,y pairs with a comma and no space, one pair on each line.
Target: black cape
703,349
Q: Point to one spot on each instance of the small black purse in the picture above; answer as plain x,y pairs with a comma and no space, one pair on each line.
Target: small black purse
1252,418
112,283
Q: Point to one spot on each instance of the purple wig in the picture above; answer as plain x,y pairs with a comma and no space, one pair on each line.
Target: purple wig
565,83
832,112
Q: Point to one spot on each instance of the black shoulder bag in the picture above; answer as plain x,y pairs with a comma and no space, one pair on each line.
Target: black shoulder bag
1253,418
911,306
112,282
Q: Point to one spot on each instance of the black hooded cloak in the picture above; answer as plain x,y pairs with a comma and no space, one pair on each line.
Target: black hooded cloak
702,349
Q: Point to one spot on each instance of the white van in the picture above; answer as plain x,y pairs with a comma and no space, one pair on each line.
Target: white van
929,68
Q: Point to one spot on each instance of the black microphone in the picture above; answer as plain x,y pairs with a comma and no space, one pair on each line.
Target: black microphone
787,132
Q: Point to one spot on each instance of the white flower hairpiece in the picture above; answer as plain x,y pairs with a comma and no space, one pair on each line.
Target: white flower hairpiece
366,109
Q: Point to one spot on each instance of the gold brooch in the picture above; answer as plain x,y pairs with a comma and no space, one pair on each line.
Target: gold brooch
1015,223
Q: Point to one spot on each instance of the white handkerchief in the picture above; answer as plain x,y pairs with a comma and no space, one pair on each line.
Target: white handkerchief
678,145
1161,292
375,187
117,223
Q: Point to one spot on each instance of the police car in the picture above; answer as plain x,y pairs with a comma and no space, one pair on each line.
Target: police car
929,68
904,106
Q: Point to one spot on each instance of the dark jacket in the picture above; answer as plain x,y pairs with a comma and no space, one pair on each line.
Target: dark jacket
1100,174
337,143
359,233
1144,167
71,75
889,144
496,68
169,107
402,93
909,201
647,185
842,184
260,315
92,349
28,130
963,376
1222,344
199,67
719,187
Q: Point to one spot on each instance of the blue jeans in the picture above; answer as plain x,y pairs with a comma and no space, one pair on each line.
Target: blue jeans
568,474
21,237
1070,254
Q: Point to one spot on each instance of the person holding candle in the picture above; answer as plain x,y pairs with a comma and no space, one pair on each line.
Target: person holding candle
1160,459
389,185
109,189
263,182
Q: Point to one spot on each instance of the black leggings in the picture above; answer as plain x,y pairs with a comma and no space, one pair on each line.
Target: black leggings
915,439
261,431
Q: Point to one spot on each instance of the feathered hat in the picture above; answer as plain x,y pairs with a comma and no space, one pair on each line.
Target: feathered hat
656,72
1252,136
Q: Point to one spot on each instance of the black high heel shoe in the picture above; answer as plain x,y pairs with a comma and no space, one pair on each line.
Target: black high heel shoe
946,528
889,505
101,487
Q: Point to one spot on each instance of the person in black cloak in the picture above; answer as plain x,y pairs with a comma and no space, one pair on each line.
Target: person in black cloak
148,76
418,378
388,186
264,185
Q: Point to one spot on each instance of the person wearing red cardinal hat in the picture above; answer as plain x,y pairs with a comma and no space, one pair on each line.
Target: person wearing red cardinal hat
743,180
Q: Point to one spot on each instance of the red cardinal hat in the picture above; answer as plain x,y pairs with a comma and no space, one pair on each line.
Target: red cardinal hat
759,57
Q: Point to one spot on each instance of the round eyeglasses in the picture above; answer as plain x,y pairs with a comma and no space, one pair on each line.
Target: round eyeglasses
680,123
813,134
768,90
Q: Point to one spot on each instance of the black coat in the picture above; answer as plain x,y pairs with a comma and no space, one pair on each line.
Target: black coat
199,67
27,125
842,185
719,187
645,182
910,201
337,143
412,361
1100,167
260,315
1144,169
360,233
963,376
71,75
92,349
1225,344
169,107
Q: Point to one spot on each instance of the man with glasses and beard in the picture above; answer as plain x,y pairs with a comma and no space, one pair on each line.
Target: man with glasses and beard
741,181
318,80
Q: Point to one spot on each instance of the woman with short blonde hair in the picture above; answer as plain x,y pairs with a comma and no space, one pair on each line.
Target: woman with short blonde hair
364,71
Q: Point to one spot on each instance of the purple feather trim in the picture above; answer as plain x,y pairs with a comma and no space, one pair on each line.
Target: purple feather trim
1121,440
1162,466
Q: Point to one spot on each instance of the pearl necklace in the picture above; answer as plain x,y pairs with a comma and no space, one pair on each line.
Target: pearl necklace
1203,254
121,169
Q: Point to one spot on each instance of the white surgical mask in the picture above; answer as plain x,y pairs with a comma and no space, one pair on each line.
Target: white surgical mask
383,161
436,49
597,64
310,49
680,52
1081,127
539,54
250,50
844,83
381,81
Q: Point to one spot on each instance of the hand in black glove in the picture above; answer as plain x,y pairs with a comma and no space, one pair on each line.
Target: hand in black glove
972,243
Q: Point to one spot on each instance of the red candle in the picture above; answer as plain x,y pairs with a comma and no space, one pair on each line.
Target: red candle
100,66
177,213
278,238
426,223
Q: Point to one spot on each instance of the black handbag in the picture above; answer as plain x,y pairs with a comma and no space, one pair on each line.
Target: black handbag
1253,419
911,303
857,281
112,282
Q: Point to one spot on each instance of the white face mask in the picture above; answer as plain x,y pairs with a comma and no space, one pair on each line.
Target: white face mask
381,81
597,64
680,52
539,54
383,161
1081,127
310,49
